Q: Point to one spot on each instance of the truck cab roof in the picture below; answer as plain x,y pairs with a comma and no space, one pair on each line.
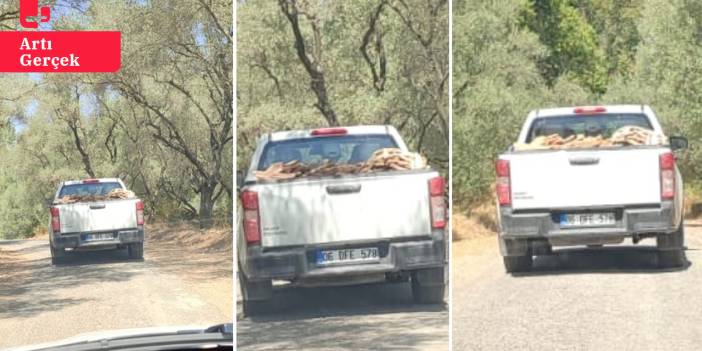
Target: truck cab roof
574,110
586,111
92,180
319,132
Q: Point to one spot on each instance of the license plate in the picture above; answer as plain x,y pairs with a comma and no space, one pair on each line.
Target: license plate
96,237
347,256
587,219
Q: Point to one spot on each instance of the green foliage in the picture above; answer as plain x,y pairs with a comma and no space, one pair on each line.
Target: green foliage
572,43
615,23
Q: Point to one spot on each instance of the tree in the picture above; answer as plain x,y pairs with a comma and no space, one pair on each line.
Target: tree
572,43
195,50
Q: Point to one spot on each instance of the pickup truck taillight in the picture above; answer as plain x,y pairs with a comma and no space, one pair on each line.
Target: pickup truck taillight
503,187
667,161
55,220
438,204
140,212
252,230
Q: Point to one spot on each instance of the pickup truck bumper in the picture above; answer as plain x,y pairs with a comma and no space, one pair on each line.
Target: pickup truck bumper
299,263
78,240
515,228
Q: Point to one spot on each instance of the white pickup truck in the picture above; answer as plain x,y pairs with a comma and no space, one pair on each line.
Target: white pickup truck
95,224
344,229
589,196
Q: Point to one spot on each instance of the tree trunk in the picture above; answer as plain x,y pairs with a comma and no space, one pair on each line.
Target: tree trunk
206,205
230,208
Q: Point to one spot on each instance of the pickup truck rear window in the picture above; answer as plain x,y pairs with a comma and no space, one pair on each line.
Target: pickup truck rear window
337,149
588,125
89,189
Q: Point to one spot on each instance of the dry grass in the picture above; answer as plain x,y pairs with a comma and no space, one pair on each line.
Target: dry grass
693,204
40,233
477,221
189,236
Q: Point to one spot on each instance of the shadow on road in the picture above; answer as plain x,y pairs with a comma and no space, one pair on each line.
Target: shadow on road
197,266
353,317
601,260
30,285
82,258
293,303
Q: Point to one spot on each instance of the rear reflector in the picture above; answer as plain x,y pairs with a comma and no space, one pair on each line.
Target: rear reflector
140,212
667,160
55,220
91,181
437,202
589,110
329,131
502,186
436,186
502,168
249,200
667,164
252,230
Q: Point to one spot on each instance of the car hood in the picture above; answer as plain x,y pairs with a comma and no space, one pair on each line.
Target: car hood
114,334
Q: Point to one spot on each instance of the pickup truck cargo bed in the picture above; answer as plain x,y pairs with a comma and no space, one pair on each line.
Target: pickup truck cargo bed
370,207
585,178
97,216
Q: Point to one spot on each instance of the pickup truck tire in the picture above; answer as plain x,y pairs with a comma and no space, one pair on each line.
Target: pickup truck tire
516,264
136,250
671,252
255,295
428,286
57,255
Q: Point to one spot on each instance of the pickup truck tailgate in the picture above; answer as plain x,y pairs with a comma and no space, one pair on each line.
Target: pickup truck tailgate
97,216
347,209
569,179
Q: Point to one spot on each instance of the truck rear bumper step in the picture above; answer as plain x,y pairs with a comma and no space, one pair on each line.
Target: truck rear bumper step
629,221
298,263
75,240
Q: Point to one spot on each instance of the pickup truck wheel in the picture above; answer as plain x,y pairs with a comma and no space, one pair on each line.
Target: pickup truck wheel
255,295
514,264
428,286
136,250
255,308
57,255
671,258
671,248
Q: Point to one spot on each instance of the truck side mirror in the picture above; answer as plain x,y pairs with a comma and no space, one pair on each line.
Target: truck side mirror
48,202
678,143
240,177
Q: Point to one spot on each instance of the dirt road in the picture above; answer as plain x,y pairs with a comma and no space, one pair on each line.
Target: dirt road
368,317
608,299
105,290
